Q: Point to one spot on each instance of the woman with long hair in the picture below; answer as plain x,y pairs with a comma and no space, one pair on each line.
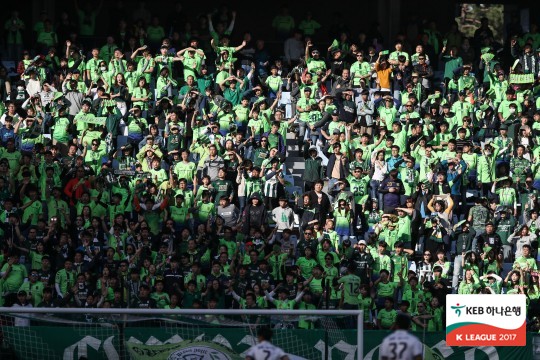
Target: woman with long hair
469,285
424,268
380,170
343,220
441,213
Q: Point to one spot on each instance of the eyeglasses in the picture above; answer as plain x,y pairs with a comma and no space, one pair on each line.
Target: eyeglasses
307,233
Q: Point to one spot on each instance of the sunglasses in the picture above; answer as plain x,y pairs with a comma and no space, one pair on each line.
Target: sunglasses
307,233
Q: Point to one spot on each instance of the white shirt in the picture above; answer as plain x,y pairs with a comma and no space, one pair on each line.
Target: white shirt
380,170
265,351
400,345
22,321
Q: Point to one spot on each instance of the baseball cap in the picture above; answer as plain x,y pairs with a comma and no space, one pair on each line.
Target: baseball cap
362,242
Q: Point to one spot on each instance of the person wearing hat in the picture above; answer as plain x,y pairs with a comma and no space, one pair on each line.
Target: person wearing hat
22,301
505,143
388,113
363,261
504,111
462,107
313,170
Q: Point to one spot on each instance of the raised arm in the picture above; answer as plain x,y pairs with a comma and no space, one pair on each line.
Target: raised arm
134,55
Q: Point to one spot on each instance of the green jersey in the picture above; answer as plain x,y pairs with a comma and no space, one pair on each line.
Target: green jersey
351,288
387,318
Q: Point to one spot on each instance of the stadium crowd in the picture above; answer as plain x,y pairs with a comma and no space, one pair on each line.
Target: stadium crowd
148,170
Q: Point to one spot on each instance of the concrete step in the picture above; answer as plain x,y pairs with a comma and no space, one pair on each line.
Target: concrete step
292,159
291,147
291,136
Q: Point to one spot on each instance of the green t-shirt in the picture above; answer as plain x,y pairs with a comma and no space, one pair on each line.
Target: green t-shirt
306,265
60,129
15,278
386,289
351,288
205,210
387,318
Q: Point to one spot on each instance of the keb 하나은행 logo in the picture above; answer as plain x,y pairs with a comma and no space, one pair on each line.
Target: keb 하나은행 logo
486,320
457,309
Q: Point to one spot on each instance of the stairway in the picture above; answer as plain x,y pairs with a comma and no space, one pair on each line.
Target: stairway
294,162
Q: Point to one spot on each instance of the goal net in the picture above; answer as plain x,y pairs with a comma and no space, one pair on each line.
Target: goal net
175,334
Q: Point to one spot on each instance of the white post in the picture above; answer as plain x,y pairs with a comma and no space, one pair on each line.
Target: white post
360,335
